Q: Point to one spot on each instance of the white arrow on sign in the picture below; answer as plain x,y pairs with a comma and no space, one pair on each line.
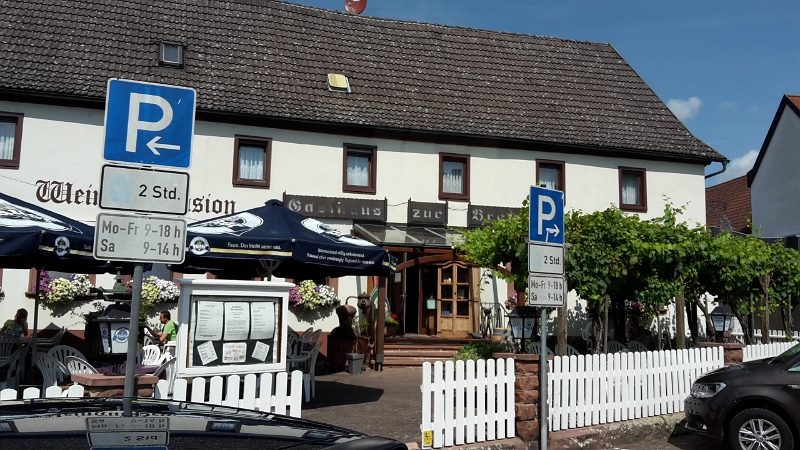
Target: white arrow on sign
554,231
153,145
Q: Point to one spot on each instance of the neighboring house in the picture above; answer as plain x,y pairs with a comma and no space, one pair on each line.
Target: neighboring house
773,180
396,131
728,206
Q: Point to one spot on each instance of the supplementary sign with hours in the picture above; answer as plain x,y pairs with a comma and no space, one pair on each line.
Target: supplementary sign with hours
123,237
144,190
546,291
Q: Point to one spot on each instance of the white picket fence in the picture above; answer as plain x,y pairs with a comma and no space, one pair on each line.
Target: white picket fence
776,335
761,351
279,393
464,403
594,389
74,391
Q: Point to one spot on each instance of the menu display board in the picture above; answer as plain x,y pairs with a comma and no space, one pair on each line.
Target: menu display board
233,330
230,327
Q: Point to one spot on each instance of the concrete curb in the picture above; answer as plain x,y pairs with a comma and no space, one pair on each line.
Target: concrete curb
502,444
610,435
618,434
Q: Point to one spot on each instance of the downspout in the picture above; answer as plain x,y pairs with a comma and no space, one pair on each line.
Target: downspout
724,166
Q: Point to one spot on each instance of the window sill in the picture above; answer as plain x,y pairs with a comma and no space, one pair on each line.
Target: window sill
633,208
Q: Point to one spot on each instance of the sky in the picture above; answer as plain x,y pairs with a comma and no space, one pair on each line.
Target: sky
722,66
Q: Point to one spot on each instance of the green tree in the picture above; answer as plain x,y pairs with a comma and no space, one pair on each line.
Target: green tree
500,242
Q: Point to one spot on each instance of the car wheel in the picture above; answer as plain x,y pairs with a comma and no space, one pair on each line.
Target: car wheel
759,429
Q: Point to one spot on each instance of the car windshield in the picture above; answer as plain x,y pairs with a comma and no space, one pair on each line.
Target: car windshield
786,356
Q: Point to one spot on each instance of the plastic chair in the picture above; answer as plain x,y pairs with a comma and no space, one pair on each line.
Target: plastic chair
50,367
8,345
536,348
171,372
76,365
51,341
572,351
616,347
149,355
148,339
13,366
306,362
636,346
60,353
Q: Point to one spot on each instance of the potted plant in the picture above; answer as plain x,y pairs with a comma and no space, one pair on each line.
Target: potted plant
391,324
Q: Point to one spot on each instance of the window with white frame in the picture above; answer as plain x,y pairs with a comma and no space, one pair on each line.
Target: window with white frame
360,167
252,161
10,139
170,55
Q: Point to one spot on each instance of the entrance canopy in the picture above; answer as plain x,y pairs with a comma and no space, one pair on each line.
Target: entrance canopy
408,236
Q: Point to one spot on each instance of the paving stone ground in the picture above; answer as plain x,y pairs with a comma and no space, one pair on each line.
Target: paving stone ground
387,403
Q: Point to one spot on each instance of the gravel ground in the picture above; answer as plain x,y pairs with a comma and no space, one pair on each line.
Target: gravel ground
387,403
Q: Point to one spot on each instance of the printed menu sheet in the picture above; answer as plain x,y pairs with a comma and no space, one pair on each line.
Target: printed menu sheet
209,321
262,325
207,352
237,321
261,351
234,352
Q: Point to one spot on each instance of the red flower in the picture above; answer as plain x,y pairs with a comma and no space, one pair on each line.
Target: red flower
394,316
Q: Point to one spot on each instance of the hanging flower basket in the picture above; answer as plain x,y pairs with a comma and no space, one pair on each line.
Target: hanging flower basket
309,296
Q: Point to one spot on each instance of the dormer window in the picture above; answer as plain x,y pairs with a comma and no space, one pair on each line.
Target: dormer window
170,55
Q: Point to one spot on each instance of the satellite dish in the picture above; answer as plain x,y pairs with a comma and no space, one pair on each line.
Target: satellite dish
355,7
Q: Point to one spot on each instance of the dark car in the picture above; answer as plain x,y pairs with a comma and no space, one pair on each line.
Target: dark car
67,424
754,405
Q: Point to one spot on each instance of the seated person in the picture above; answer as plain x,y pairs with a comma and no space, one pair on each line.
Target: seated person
170,330
638,332
18,326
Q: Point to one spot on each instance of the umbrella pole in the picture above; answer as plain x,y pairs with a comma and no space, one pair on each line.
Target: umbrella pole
35,316
380,329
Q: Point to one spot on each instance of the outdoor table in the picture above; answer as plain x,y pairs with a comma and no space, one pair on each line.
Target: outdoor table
99,385
141,369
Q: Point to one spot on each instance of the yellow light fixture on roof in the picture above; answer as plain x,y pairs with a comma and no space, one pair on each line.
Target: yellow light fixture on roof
338,82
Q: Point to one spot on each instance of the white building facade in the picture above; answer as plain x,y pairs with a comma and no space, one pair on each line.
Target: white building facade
426,142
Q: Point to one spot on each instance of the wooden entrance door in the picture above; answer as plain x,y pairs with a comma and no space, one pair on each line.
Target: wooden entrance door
454,309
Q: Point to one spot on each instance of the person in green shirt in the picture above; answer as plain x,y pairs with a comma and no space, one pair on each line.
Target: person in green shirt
170,330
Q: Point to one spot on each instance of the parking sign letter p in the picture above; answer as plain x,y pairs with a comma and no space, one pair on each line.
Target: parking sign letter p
542,216
134,124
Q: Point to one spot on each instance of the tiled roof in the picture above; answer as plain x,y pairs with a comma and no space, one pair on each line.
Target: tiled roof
270,59
729,203
795,99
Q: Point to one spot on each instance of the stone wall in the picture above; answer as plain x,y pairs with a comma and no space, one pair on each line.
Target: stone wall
526,394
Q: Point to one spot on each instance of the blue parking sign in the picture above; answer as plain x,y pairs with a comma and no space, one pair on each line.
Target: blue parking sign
546,222
148,123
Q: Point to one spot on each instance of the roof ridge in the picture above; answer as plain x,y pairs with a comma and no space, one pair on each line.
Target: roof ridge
430,24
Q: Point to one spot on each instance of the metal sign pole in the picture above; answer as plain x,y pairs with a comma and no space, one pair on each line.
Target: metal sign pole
543,382
133,339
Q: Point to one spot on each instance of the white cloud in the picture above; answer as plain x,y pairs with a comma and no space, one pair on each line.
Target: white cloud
736,168
685,109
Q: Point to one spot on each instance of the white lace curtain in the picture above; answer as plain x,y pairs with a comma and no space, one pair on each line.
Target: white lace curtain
548,177
357,170
7,130
630,189
251,163
453,177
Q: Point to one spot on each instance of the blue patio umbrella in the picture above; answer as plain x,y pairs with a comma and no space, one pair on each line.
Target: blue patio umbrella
33,237
274,240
